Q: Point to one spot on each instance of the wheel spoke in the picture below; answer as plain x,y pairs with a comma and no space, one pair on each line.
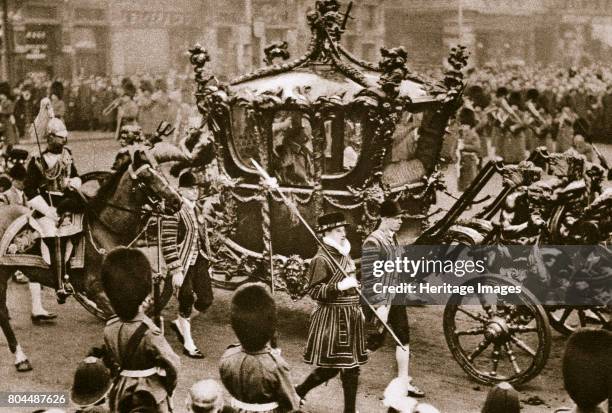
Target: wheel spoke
565,315
523,346
599,314
582,318
477,316
517,328
470,332
495,357
481,347
486,306
512,358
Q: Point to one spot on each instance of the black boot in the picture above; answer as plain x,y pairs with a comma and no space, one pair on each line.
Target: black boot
350,382
316,378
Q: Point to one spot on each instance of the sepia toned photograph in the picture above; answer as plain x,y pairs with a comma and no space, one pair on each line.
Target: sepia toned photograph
306,206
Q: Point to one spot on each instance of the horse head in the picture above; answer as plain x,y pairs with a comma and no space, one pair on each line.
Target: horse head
123,201
157,191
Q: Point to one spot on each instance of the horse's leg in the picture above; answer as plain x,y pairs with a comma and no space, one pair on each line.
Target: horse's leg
21,360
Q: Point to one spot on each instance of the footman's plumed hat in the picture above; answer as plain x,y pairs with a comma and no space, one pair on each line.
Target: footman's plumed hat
331,221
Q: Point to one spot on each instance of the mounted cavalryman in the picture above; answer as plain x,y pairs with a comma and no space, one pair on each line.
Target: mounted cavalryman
51,184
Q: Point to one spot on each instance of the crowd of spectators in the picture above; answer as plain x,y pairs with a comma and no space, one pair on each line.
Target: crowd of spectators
91,103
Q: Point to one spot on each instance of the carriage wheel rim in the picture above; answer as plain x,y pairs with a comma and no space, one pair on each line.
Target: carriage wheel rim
502,337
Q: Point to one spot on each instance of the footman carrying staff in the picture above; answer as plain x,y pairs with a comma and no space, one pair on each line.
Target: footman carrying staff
181,248
384,242
336,340
147,367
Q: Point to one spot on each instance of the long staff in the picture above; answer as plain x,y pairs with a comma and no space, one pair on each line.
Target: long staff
336,264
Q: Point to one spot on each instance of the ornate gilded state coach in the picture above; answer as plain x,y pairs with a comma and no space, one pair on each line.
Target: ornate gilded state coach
337,132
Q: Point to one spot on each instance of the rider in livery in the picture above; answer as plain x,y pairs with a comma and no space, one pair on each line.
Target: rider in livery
51,182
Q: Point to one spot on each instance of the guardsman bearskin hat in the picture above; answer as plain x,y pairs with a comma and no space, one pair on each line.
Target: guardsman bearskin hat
92,382
587,367
57,89
253,316
581,127
501,92
515,99
187,180
390,208
146,86
126,278
478,96
533,95
467,117
5,89
128,87
330,221
502,398
18,172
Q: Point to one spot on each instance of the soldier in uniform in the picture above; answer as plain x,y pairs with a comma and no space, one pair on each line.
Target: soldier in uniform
15,196
253,372
181,248
52,180
336,340
147,367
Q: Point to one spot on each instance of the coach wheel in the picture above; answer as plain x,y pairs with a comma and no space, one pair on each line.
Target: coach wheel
497,337
568,319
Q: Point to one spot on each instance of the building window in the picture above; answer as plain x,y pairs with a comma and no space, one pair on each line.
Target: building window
89,14
41,12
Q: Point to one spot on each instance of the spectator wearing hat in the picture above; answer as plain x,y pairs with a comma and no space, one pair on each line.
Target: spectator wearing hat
587,370
146,115
24,111
256,375
146,366
7,118
516,124
15,196
336,340
382,244
470,147
181,248
206,396
502,399
90,387
56,94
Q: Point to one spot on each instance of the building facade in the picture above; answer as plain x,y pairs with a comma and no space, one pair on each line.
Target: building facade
122,37
568,32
